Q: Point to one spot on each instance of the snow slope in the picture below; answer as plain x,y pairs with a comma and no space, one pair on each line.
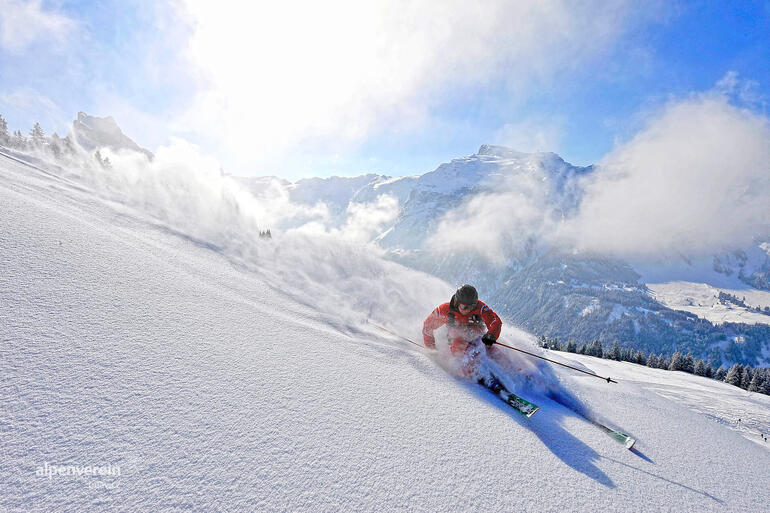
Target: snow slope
239,376
703,300
694,286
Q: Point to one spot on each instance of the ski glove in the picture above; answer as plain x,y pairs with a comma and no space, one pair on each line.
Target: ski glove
488,339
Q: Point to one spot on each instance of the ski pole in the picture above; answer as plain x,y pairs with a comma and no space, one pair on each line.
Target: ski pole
386,330
609,380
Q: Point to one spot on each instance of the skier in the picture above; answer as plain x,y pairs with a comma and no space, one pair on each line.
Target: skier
466,318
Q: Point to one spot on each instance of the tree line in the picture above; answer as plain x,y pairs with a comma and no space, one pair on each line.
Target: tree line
63,150
739,375
37,141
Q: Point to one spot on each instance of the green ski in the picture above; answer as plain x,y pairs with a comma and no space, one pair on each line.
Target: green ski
519,404
617,435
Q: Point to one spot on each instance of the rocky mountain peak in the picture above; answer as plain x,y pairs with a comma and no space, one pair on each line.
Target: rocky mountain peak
93,132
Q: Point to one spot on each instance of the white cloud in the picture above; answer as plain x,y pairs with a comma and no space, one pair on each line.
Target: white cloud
521,210
276,74
746,92
696,179
22,23
365,220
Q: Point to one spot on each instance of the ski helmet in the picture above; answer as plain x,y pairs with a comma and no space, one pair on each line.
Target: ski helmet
466,295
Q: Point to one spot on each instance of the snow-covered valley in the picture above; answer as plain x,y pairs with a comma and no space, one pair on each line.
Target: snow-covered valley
222,374
703,300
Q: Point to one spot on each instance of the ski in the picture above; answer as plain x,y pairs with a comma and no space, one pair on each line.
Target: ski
519,404
617,435
623,438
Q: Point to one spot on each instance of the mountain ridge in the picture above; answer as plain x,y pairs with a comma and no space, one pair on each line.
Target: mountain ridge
93,132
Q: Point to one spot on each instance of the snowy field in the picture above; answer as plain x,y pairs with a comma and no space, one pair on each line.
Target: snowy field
702,300
223,374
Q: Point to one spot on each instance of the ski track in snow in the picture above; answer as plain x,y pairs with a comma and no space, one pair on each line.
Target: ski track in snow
219,384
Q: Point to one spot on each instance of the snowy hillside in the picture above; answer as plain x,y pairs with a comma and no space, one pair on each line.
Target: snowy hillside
148,332
718,293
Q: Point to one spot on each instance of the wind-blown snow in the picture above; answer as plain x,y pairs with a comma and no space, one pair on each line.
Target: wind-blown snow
239,375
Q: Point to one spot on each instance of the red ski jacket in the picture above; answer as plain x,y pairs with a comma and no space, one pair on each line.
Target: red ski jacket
459,325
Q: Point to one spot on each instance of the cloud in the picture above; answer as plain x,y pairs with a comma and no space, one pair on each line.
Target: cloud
521,209
274,75
695,179
746,92
22,23
365,220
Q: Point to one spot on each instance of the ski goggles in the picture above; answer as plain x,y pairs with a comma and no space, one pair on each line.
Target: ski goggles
466,308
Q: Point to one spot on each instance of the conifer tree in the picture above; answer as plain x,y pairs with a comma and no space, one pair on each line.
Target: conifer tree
765,387
677,362
721,374
627,355
69,145
614,353
700,367
734,375
757,381
55,145
19,141
4,137
37,136
688,364
746,376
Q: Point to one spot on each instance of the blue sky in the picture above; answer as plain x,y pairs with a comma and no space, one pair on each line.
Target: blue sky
389,87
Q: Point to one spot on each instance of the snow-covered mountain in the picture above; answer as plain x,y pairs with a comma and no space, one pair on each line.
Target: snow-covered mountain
334,193
92,133
438,192
154,361
546,287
